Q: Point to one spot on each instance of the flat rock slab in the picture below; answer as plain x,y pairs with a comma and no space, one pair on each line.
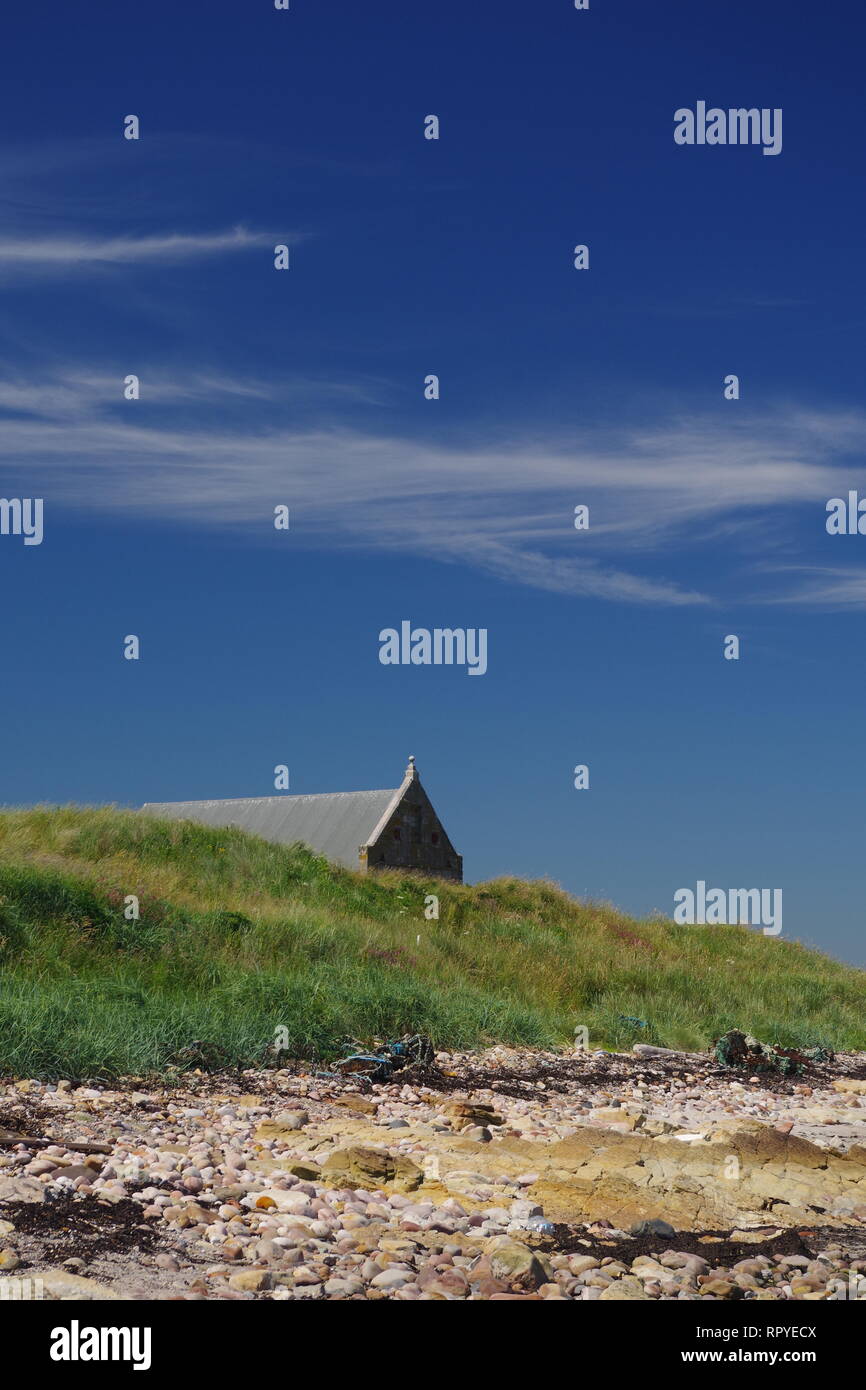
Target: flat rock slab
60,1286
21,1190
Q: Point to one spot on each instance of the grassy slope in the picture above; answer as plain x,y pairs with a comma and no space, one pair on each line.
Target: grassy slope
328,954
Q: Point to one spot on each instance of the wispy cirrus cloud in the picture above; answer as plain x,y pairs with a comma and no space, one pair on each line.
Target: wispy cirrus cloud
70,251
218,451
820,586
73,205
89,393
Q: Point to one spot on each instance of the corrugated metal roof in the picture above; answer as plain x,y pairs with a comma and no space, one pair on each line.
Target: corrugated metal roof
333,823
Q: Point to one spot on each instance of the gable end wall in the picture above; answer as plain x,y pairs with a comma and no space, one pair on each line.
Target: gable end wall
406,839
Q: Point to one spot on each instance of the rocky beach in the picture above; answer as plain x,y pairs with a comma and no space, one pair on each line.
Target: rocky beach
502,1174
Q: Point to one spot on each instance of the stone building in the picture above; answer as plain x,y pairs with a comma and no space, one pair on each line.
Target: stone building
396,829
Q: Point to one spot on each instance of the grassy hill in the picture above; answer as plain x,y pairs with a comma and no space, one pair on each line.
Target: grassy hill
237,938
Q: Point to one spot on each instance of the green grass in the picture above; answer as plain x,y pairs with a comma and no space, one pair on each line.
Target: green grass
237,938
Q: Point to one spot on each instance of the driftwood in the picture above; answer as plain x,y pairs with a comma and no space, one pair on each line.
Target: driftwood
8,1137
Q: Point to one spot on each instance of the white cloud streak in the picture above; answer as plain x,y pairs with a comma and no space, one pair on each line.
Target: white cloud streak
504,508
70,252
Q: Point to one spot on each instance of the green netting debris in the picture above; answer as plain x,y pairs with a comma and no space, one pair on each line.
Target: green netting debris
736,1049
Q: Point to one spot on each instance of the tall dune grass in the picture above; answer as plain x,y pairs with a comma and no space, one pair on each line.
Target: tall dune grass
237,938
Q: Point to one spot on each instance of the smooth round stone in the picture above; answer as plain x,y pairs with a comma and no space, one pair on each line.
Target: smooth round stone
390,1279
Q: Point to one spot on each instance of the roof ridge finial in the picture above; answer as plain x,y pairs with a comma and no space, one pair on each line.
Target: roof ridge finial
411,770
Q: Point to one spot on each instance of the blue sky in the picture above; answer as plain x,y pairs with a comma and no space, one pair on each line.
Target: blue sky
558,387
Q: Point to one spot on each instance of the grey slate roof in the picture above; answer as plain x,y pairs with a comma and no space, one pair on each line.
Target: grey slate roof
335,824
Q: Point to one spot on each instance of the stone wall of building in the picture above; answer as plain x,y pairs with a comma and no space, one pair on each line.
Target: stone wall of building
414,838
